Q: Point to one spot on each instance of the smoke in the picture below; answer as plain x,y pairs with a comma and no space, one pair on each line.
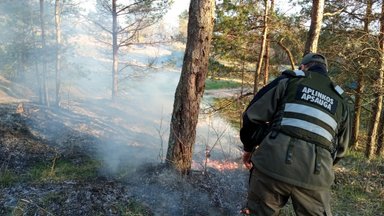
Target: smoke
134,142
139,122
132,132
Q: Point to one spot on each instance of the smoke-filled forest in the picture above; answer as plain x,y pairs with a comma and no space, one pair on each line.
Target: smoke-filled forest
134,107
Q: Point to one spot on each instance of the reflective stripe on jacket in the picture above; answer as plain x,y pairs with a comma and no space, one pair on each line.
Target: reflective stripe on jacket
299,161
311,110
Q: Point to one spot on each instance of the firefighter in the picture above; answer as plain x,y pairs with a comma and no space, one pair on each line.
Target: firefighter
294,130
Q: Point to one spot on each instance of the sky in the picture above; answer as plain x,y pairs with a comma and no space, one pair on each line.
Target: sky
181,5
171,17
177,8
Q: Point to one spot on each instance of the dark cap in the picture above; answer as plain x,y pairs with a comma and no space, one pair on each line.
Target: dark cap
314,57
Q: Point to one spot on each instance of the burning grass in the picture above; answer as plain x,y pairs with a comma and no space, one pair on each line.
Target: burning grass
220,165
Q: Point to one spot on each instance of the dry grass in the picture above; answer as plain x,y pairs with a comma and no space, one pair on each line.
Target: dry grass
359,186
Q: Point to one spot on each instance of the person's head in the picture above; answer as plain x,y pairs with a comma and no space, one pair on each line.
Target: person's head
312,59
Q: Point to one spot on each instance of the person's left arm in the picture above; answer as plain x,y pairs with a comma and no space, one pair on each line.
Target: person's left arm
344,135
260,111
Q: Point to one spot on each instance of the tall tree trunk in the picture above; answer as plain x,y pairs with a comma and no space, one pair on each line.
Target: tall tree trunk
58,51
378,103
242,73
115,48
314,30
242,86
38,81
267,48
380,142
357,108
262,48
44,55
368,16
360,84
23,62
190,88
266,63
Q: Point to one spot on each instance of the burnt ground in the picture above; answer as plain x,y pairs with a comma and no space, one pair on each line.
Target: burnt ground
34,138
58,162
37,145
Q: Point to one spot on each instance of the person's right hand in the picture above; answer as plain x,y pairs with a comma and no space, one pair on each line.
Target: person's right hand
247,160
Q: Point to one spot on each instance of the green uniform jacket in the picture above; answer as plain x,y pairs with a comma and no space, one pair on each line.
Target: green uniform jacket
270,157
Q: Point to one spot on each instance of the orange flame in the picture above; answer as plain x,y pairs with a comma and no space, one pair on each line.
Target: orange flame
216,164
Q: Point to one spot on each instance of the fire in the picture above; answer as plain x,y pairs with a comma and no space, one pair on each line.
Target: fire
216,164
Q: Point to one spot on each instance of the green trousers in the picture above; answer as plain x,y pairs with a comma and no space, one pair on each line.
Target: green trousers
266,196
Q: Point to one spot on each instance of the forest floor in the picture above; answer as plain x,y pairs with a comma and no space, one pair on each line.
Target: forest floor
50,165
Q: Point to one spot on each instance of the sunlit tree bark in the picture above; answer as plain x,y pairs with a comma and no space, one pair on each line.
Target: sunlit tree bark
357,108
115,49
314,30
58,51
45,95
378,103
266,62
262,47
191,85
360,83
380,142
268,46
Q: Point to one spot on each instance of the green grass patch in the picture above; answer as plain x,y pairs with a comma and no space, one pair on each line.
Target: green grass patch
134,209
211,84
61,170
350,199
7,178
